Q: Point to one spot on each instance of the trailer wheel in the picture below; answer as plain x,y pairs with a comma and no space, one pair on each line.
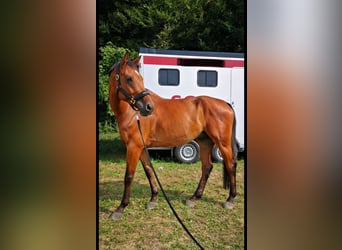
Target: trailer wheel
216,154
187,153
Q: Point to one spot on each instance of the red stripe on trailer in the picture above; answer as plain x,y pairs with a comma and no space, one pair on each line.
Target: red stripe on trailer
233,63
159,60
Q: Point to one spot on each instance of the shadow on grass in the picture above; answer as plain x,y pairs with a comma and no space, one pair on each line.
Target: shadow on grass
113,191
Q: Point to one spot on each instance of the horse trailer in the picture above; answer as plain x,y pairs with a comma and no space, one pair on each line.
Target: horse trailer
176,74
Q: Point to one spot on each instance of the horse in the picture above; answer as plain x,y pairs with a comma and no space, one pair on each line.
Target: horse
169,123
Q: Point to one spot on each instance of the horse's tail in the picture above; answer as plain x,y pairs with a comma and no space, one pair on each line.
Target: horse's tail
235,148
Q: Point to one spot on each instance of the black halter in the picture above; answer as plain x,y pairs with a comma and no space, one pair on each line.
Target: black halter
132,99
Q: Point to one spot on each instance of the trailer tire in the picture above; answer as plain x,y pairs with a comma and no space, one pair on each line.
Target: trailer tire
187,153
216,154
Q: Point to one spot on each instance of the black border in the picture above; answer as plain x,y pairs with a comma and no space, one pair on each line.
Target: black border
97,126
245,125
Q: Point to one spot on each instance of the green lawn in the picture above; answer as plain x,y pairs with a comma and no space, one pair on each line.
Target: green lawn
139,228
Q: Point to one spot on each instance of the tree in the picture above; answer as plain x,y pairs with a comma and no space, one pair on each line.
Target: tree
173,24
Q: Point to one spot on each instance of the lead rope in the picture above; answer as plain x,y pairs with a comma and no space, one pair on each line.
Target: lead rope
161,187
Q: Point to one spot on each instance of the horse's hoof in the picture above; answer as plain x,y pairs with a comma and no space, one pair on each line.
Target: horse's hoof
228,205
190,203
116,216
151,205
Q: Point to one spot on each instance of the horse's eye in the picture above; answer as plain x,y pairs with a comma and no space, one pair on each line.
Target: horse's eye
129,79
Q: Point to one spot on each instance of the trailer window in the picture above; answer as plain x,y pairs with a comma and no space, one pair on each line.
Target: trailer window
168,77
207,78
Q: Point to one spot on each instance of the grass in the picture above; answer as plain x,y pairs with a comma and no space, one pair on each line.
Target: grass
139,228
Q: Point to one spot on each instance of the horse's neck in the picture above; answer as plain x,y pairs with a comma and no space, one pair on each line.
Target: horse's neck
122,109
156,98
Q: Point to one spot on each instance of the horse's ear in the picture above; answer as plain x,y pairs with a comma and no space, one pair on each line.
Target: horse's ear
125,59
137,60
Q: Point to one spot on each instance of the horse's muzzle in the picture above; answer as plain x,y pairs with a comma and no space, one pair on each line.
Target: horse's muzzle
145,108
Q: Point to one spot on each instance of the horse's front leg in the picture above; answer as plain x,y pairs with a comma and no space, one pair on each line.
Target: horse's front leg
150,176
132,157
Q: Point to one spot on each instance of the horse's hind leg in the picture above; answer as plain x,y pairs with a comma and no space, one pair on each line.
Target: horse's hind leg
149,173
229,175
132,158
206,146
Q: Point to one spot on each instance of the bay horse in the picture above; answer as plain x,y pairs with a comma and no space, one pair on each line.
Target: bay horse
169,123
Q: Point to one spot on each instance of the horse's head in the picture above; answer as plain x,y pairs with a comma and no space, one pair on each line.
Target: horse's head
130,86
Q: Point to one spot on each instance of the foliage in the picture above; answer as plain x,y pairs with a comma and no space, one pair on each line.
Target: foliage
173,24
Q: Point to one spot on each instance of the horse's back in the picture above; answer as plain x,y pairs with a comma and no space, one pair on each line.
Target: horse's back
216,106
200,108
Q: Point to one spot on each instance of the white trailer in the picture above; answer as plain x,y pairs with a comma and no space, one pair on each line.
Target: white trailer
178,74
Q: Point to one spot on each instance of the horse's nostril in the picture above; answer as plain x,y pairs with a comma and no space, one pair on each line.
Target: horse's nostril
149,107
